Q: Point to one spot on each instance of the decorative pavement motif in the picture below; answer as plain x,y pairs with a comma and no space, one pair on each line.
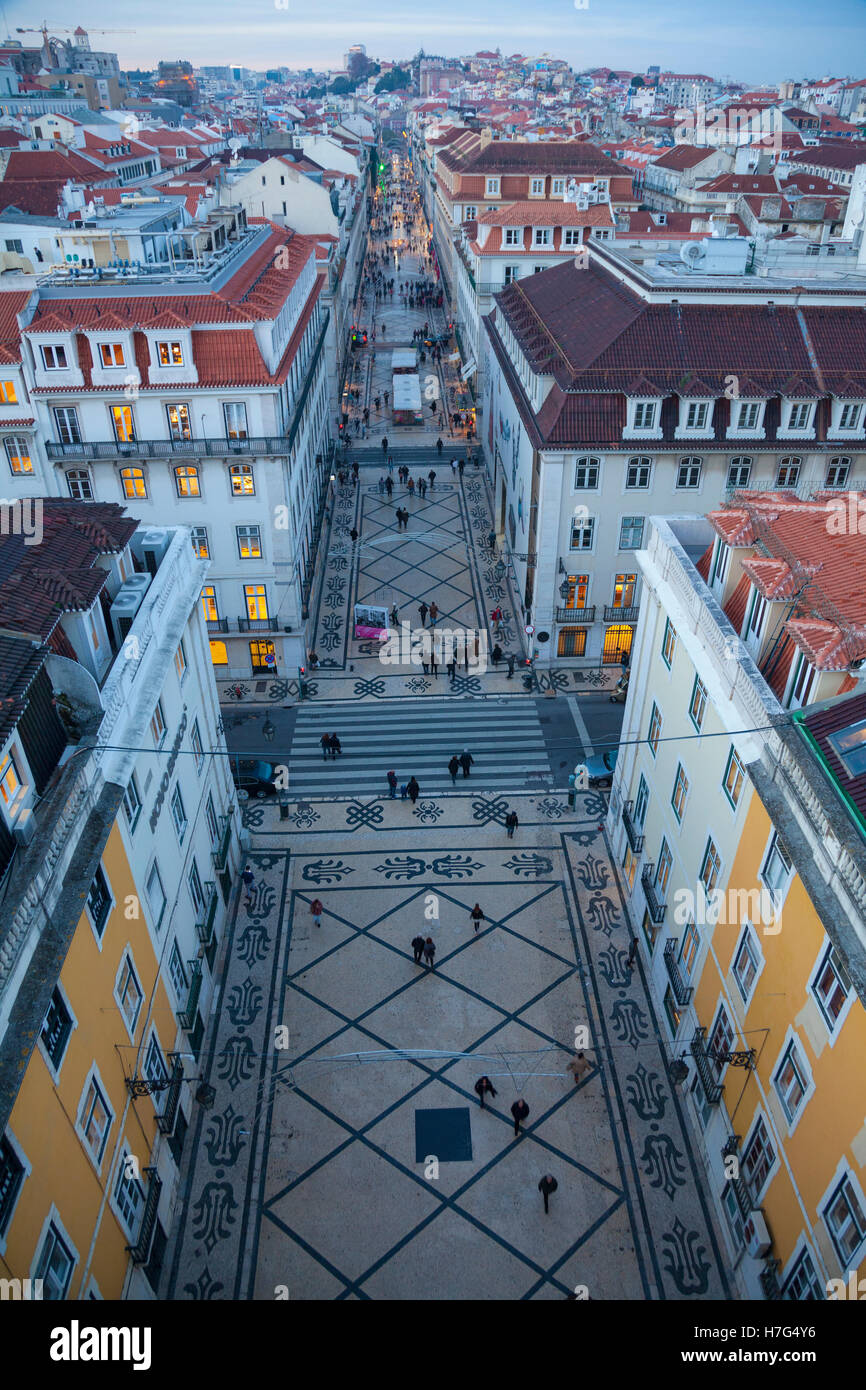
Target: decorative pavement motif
304,1175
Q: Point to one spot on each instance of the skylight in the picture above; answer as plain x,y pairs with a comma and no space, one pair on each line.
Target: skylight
849,745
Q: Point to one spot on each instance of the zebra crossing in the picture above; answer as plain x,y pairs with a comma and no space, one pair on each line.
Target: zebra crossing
418,738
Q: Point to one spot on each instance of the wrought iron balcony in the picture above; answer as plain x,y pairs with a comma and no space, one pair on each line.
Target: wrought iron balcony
186,1015
140,1251
769,1279
258,625
704,1067
221,854
612,614
180,449
217,624
167,1116
575,615
657,907
633,835
204,927
682,992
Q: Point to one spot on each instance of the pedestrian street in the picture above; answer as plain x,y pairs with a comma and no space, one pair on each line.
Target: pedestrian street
346,1154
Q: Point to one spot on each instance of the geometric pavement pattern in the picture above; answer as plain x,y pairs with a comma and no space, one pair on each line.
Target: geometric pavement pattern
303,1174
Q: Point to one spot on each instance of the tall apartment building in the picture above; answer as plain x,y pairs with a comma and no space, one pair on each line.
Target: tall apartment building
118,854
656,382
196,393
737,816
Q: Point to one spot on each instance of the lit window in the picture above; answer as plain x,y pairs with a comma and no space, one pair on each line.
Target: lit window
209,604
249,542
18,453
132,482
186,481
111,355
170,354
180,660
242,481
8,394
623,590
179,426
199,540
124,423
256,601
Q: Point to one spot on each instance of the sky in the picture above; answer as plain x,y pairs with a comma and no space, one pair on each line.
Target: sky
747,40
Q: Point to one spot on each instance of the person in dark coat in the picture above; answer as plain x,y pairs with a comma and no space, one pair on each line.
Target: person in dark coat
546,1186
476,916
414,789
247,877
389,485
417,948
430,952
432,477
392,782
510,665
452,768
423,611
496,654
520,1111
484,1087
325,741
335,746
511,823
466,761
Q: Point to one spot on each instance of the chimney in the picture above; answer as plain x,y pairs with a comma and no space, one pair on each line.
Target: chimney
486,137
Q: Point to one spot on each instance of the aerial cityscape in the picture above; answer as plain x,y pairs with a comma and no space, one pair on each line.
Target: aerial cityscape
433,660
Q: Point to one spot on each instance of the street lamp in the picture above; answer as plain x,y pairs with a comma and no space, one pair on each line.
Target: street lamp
564,589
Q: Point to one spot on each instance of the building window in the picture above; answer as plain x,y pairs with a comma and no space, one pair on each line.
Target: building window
586,473
209,605
644,415
735,776
758,1159
211,818
123,423
99,901
689,473
571,641
132,482
94,1119
838,471
536,188
629,867
571,236
242,480
722,559
557,188
169,354
491,188
256,599
18,454
831,987
673,1011
663,867
132,803
79,484
512,273
689,947
802,1284
641,803
249,542
791,1081
777,866
696,415
721,1041
178,815
698,703
759,609
10,780
154,1067
655,728
669,643
128,1197
56,1029
710,866
8,394
543,236
582,533
196,891
789,472
180,660
53,357
177,972
844,1219
798,416
195,740
746,963
623,590
235,413
11,1179
631,533
129,993
66,424
156,895
263,656
638,473
219,653
803,683
157,724
850,416
577,590
513,236
651,931
747,415
680,792
186,481
179,426
200,542
739,472
56,1263
111,355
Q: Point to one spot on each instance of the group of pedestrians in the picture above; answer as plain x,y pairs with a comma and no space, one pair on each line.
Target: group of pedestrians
410,789
464,760
331,746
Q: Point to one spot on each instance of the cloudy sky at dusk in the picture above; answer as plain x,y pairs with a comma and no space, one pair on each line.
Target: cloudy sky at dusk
738,38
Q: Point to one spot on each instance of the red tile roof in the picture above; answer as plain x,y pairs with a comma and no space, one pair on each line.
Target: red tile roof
682,157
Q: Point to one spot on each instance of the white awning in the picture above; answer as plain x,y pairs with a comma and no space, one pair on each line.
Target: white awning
404,359
468,369
406,391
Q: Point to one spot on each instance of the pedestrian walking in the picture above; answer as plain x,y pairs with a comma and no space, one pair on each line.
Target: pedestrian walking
579,1066
631,960
423,610
476,916
392,783
353,535
335,746
434,613
520,1111
389,486
417,948
430,952
325,741
623,660
484,1087
439,447
511,823
247,877
316,910
491,539
395,616
460,466
434,659
432,476
451,668
411,486
510,665
384,437
546,1187
452,768
453,468
390,463
382,485
413,789
466,761
496,655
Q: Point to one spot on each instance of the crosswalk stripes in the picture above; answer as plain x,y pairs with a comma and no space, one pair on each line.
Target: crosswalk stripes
418,738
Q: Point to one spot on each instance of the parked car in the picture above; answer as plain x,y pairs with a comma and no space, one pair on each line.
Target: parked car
600,768
255,778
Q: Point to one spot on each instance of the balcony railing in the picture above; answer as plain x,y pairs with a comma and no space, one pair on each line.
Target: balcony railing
167,1116
657,908
140,1251
217,624
186,1015
168,448
633,835
612,614
221,853
682,992
204,926
575,615
704,1067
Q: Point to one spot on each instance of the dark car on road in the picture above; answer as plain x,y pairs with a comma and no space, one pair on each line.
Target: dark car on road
255,778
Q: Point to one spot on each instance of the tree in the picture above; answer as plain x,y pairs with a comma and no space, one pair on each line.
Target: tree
390,81
637,81
359,67
341,87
